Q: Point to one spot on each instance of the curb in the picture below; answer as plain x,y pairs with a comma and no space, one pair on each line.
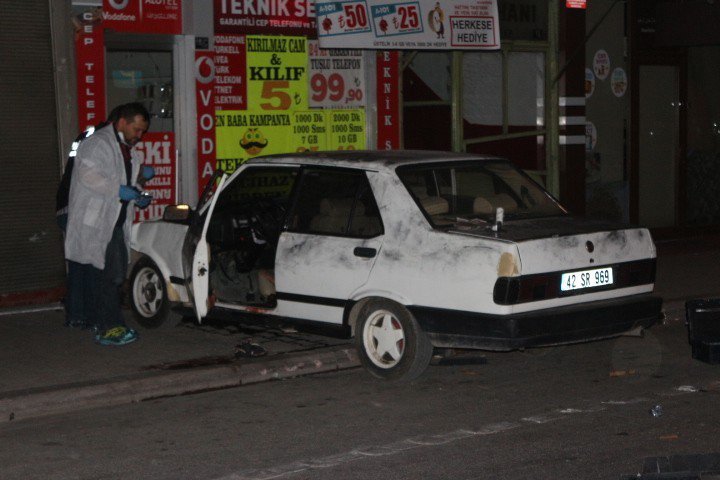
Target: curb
69,398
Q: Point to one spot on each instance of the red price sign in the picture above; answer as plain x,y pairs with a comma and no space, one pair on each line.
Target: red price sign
400,19
332,87
355,16
409,18
337,78
339,18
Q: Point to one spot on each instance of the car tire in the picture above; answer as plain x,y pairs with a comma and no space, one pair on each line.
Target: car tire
390,343
148,295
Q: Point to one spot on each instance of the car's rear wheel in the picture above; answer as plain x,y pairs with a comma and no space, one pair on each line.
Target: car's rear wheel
148,296
390,343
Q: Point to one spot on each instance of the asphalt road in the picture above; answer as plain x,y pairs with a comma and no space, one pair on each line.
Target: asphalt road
579,411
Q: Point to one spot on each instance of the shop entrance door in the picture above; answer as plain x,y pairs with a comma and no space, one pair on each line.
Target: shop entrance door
659,145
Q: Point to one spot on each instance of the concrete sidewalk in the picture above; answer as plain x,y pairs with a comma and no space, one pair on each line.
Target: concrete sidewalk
47,368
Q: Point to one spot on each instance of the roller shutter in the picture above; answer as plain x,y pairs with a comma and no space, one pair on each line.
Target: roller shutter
31,256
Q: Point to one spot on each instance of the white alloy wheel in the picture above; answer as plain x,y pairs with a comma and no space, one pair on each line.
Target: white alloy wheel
384,339
390,343
147,294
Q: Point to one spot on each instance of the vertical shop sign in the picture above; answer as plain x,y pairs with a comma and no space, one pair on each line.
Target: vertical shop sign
90,58
143,16
388,100
269,17
230,90
277,73
157,149
337,77
204,83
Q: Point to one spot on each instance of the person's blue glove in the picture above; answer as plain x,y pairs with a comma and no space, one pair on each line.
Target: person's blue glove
148,172
128,193
143,201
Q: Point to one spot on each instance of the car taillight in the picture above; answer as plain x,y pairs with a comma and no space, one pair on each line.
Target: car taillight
506,291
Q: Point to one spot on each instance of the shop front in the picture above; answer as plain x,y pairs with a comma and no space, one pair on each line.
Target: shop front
227,80
653,142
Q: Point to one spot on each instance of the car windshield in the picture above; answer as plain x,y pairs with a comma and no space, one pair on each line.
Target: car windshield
471,192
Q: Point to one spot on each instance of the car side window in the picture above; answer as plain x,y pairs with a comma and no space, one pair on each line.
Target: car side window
336,202
254,203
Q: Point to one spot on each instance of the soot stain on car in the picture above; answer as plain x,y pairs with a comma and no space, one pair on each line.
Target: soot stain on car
618,237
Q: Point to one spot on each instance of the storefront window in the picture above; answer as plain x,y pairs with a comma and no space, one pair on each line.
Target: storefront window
503,92
144,77
703,141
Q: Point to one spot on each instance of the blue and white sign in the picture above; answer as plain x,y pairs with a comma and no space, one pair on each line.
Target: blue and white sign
416,25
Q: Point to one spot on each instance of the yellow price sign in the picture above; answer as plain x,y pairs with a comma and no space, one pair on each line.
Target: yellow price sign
346,129
309,131
277,73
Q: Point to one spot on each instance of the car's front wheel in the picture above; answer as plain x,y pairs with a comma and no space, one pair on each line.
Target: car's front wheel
148,296
390,343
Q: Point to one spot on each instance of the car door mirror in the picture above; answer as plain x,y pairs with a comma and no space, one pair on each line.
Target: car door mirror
177,213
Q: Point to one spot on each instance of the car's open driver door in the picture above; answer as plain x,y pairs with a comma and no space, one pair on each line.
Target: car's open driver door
196,253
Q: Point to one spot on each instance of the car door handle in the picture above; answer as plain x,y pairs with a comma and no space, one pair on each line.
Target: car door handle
364,252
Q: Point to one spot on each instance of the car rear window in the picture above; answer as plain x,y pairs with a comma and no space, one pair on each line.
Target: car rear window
449,193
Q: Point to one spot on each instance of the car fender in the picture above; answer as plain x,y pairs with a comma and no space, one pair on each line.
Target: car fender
162,243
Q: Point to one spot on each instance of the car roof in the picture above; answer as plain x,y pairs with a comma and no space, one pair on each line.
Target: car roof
368,159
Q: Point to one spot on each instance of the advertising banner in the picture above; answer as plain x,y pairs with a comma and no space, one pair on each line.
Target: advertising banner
90,63
242,135
309,131
246,134
143,16
205,118
277,73
337,77
157,149
230,86
576,4
417,25
269,17
278,117
346,129
388,100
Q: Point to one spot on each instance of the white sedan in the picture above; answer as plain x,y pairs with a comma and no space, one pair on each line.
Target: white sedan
404,250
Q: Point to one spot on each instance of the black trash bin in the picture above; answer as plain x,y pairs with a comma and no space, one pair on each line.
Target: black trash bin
703,322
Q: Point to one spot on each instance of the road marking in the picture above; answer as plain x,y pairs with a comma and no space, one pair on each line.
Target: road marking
431,440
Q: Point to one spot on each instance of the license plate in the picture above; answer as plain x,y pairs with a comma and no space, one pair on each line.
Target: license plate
598,277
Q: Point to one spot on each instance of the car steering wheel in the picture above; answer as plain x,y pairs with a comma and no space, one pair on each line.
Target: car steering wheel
265,218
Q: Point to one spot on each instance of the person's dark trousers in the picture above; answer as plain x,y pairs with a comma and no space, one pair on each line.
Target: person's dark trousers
111,281
79,300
